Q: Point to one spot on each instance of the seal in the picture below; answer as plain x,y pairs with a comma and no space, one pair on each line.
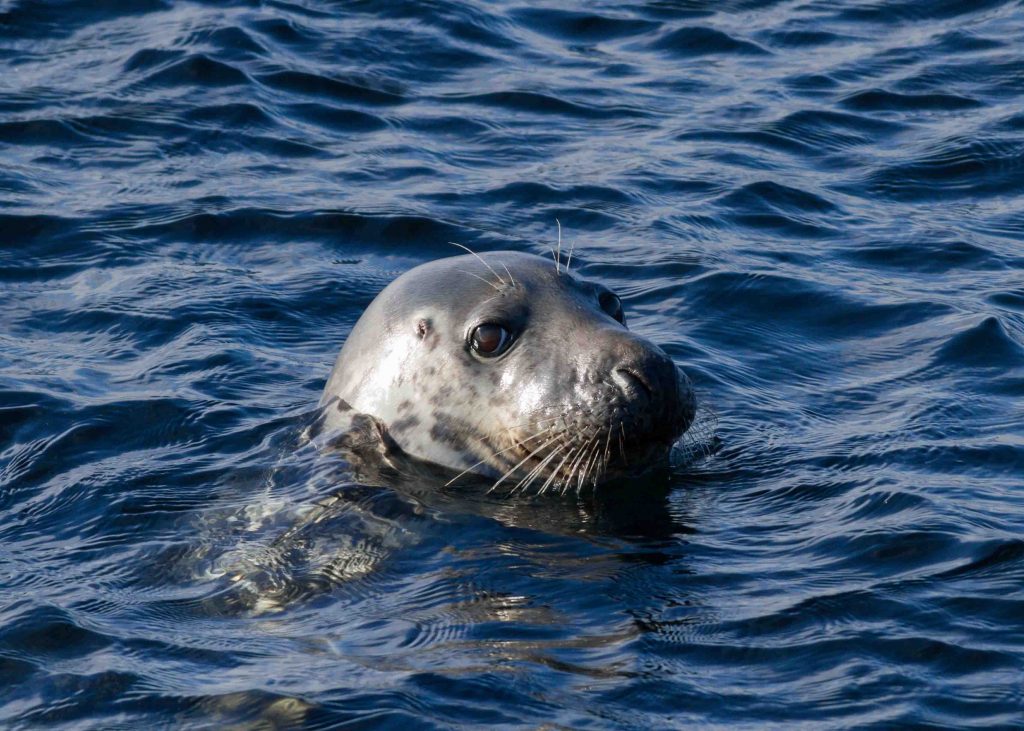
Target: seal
509,367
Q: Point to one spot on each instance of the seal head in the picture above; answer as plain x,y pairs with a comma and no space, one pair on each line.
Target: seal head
510,368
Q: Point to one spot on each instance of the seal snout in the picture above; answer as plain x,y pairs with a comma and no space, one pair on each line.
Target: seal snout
657,398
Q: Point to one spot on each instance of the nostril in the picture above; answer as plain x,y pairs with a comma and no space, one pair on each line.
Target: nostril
630,379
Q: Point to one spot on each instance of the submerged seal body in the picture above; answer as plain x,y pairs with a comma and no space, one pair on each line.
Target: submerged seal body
510,367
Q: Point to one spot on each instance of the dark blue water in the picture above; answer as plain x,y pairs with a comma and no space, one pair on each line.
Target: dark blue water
817,208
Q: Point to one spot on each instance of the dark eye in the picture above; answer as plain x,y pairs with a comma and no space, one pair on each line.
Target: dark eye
611,304
490,340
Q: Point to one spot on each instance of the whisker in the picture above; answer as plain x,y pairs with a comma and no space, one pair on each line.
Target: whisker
480,258
505,267
568,261
622,443
535,423
558,258
531,475
598,463
595,462
485,281
528,480
523,461
602,470
586,471
574,455
554,473
489,299
573,472
532,471
607,444
495,454
700,440
578,476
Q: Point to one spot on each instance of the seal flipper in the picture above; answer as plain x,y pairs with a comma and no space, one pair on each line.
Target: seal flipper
362,439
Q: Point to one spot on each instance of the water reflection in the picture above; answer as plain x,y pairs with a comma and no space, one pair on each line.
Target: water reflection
371,508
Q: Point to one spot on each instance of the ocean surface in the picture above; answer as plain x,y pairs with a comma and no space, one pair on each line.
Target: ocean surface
817,208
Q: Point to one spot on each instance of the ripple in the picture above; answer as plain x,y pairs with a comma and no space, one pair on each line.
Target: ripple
831,130
283,30
536,103
958,167
48,631
197,69
337,118
813,208
769,205
932,9
243,115
235,42
807,38
934,254
767,194
38,21
882,100
341,90
1009,300
152,58
698,41
42,132
986,344
582,26
993,562
809,133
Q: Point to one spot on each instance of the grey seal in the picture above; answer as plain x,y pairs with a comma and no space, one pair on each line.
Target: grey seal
507,366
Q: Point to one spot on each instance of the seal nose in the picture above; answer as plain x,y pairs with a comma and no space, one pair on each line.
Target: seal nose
649,379
632,381
640,368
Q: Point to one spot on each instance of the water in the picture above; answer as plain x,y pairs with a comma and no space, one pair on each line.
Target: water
815,207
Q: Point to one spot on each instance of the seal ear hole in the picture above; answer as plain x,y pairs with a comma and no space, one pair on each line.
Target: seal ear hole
612,305
422,328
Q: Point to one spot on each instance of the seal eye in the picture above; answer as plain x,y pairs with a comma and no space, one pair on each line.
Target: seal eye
611,304
490,340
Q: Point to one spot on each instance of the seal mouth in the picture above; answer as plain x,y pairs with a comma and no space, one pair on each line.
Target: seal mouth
573,452
576,461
